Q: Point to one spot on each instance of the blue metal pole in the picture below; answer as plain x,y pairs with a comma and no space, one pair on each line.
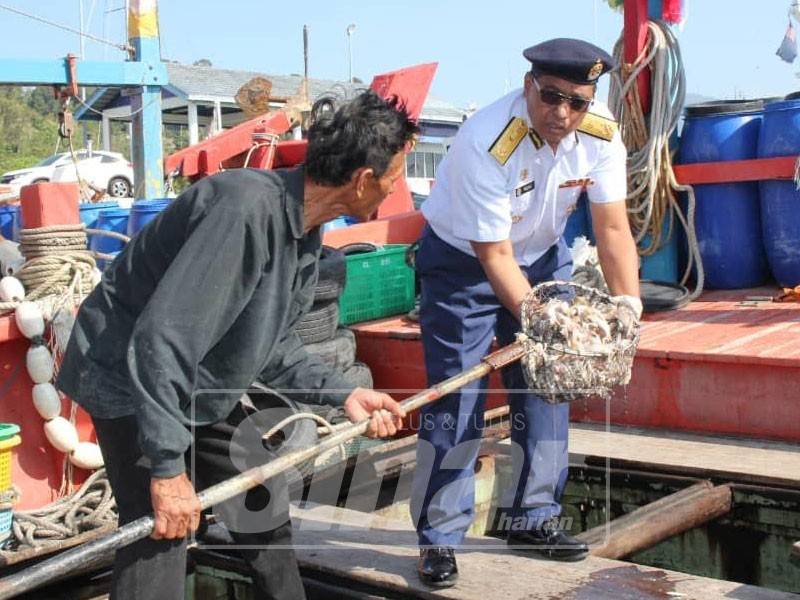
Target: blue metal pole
147,150
89,72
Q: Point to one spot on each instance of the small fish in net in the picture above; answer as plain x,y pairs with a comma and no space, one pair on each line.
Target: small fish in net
579,341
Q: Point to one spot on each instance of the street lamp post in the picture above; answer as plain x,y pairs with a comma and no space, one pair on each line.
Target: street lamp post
350,29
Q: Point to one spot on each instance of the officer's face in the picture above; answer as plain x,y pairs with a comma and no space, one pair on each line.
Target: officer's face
555,105
371,190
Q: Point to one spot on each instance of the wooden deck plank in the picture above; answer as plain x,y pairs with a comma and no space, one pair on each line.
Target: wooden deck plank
741,460
382,552
722,326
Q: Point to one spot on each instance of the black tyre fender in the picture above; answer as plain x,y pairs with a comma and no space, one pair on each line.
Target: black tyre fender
268,407
339,351
359,375
358,248
332,275
319,324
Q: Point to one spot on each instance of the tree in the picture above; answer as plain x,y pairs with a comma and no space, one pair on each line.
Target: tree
43,101
26,135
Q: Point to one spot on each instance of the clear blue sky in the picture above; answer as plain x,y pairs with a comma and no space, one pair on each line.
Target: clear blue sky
729,47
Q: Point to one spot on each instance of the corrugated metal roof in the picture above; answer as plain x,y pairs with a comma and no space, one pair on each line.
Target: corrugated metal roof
210,83
198,81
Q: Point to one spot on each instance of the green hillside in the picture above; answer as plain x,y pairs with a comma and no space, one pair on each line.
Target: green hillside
29,129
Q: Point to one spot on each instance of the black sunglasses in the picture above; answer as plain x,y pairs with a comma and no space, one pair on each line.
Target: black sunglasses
554,98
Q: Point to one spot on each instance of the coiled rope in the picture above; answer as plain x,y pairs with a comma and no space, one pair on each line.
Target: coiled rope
651,182
57,263
91,507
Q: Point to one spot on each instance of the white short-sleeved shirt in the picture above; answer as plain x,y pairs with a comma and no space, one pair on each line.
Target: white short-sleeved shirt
527,199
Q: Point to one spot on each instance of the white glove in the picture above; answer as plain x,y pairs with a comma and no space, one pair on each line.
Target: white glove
634,302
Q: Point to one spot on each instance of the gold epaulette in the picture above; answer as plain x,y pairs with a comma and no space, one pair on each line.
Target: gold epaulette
508,140
599,127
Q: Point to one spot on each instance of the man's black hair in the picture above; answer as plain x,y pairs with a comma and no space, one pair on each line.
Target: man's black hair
367,131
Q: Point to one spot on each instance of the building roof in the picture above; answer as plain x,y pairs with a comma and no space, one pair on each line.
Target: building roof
209,84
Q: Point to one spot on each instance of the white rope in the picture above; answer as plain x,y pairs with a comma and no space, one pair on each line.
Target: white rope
651,181
130,114
123,47
271,140
326,426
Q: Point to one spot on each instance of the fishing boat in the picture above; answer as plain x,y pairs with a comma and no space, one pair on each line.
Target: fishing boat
686,482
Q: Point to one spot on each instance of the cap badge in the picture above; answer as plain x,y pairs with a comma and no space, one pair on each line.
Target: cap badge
595,71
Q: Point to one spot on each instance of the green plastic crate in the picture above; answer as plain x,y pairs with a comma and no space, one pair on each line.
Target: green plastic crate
379,284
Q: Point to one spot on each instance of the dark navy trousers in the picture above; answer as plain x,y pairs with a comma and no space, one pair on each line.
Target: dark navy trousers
460,316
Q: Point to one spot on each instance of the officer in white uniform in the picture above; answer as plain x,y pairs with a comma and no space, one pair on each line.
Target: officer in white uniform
495,218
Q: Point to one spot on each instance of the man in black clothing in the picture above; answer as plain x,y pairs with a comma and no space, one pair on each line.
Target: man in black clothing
202,303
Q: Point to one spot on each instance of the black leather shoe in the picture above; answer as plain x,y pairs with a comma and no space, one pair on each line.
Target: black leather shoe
437,566
548,542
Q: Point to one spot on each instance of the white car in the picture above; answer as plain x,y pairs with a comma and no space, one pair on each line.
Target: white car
108,171
38,173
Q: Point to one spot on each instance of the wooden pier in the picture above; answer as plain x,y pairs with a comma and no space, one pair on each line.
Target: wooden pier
375,557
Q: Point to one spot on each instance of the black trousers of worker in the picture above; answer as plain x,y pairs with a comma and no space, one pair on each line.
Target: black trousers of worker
155,569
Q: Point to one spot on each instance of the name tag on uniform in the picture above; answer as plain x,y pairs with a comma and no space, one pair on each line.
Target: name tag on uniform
585,182
524,189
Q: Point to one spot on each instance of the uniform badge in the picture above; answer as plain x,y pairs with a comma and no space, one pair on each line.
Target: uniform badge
523,175
595,71
582,183
524,189
516,219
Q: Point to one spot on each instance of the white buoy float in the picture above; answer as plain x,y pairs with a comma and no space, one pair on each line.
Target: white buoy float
30,320
11,289
46,400
87,455
61,434
40,364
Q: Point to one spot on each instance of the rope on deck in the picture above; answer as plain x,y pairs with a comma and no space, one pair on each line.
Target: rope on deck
91,507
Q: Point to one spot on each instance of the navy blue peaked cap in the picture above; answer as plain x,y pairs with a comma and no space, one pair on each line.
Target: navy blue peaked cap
574,60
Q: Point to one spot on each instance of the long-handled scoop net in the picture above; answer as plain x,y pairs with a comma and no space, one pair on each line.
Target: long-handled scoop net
531,346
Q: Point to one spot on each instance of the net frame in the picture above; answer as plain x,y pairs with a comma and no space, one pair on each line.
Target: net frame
559,373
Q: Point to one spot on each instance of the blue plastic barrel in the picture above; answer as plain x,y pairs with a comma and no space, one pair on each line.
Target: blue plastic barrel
780,200
728,215
662,265
110,219
144,211
9,221
89,211
339,223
